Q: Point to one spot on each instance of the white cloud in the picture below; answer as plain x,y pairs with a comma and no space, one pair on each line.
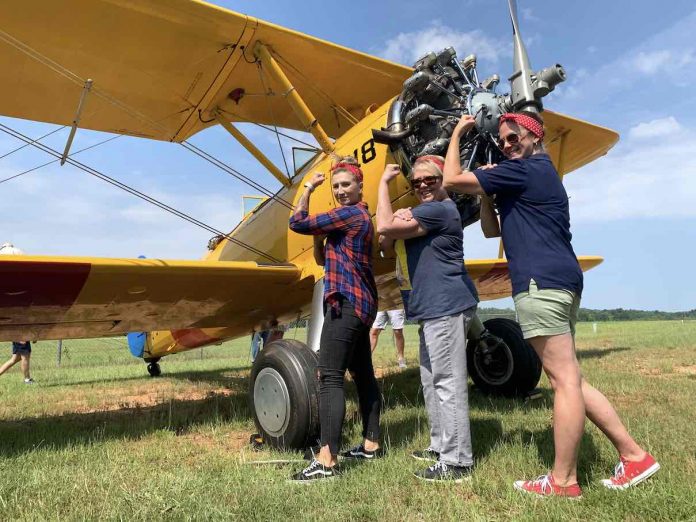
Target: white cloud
57,211
655,128
528,14
647,72
638,178
408,47
651,63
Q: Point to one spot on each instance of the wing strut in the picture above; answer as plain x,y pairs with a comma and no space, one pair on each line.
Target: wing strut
73,130
248,145
309,121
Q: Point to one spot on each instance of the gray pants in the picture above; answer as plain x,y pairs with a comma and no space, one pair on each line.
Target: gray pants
445,386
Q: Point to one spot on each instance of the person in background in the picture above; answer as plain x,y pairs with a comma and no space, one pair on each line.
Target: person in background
396,319
547,283
21,350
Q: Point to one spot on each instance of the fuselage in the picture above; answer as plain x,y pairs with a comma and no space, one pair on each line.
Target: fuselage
266,229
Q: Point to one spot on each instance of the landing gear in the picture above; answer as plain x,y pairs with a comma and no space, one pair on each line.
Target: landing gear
501,362
284,394
153,367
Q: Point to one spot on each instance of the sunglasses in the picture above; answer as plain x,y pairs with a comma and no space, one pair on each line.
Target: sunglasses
427,180
512,139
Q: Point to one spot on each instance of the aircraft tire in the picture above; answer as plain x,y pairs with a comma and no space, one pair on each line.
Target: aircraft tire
513,369
154,369
284,394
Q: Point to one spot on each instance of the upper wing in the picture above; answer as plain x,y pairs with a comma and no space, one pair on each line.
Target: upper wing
62,298
572,143
491,277
159,66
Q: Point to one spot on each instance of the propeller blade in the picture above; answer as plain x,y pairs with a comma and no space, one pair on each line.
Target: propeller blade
522,93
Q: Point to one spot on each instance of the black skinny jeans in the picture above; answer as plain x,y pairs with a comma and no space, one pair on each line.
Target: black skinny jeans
345,345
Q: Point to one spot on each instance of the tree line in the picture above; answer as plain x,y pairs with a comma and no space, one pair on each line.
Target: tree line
614,314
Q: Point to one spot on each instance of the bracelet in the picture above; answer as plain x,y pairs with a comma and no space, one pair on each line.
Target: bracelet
309,186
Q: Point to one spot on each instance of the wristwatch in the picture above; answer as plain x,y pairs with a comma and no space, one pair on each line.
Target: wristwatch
309,186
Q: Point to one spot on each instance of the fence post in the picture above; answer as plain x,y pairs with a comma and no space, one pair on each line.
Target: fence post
59,354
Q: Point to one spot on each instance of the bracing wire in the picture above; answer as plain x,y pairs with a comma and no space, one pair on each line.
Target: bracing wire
93,172
33,169
67,73
37,139
270,110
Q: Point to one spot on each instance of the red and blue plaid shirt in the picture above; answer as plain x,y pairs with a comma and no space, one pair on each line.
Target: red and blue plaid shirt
348,254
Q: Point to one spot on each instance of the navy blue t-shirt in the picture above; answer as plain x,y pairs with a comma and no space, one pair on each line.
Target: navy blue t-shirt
535,223
434,278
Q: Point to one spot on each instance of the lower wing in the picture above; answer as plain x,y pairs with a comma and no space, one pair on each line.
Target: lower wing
73,297
491,277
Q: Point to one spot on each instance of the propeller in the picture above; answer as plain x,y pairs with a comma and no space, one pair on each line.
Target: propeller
527,87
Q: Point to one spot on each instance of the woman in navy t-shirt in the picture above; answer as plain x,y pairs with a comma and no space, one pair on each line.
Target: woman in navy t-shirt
546,286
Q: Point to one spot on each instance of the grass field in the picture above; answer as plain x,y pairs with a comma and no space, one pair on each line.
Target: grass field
97,438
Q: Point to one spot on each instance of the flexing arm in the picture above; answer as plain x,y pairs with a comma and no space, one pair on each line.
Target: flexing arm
387,224
324,222
303,203
455,178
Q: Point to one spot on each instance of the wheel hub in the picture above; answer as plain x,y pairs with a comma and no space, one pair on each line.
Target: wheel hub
493,361
272,401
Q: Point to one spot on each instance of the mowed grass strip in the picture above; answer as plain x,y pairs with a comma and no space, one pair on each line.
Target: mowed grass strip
97,438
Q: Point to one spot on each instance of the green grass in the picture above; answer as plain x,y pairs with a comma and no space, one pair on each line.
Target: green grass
98,439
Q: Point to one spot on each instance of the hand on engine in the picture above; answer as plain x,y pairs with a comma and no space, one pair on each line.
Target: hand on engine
465,124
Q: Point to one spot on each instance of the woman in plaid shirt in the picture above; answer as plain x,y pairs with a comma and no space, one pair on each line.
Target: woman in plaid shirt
350,304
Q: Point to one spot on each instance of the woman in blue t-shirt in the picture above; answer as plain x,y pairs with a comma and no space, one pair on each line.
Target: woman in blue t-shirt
441,297
546,285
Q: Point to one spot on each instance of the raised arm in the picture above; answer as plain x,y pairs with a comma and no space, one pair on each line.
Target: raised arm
324,222
389,225
456,179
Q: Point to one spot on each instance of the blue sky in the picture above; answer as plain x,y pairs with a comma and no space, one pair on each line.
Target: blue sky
631,67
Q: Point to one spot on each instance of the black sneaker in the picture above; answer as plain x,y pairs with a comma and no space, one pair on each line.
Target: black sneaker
314,472
426,454
360,453
441,472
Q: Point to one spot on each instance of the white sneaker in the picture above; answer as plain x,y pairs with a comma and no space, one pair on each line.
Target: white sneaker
402,363
29,381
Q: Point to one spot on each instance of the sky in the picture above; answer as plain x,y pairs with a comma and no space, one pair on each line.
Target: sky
631,67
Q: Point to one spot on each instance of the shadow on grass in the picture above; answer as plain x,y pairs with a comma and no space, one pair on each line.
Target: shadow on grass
543,440
216,377
400,389
597,353
127,423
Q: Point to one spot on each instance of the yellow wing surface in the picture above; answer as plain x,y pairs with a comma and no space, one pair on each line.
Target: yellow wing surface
572,143
160,66
62,298
491,277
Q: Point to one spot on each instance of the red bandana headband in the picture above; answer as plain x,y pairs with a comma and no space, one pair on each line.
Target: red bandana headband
525,121
434,159
354,169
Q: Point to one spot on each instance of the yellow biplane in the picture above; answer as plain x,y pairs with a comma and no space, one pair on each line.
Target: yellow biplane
166,71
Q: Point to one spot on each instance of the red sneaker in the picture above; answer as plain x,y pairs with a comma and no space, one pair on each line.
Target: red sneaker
545,486
629,473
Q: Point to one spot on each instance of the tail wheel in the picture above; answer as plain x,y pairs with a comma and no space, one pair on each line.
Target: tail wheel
284,394
501,362
154,369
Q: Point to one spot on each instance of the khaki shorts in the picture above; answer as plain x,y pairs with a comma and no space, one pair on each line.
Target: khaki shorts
395,317
546,311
